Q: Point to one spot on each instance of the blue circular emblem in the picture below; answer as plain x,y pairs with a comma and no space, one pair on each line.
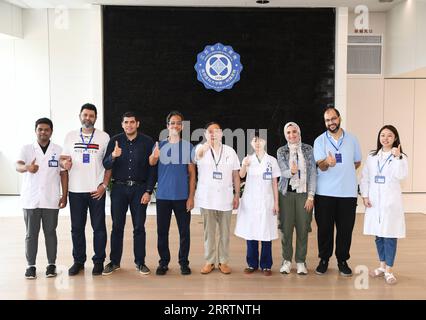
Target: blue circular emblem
218,67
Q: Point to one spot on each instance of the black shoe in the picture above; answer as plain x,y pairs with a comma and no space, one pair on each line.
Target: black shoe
30,273
161,270
51,271
322,267
143,269
75,269
97,269
344,269
185,270
110,268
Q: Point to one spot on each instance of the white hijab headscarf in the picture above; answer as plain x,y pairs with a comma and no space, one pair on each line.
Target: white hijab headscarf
296,182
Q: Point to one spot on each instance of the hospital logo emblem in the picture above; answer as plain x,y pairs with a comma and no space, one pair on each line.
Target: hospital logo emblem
218,67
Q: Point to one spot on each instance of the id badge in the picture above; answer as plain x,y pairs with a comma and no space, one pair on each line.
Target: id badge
267,176
53,163
338,157
380,179
86,157
217,175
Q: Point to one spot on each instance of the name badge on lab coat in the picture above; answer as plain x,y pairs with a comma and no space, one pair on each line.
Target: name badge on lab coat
53,163
267,176
217,175
380,179
338,157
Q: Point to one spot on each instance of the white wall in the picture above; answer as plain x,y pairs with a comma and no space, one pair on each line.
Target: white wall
406,38
51,72
10,21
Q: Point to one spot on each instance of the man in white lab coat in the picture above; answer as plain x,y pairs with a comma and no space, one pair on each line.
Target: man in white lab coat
40,194
218,167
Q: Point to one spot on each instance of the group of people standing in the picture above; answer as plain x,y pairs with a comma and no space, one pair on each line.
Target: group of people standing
279,194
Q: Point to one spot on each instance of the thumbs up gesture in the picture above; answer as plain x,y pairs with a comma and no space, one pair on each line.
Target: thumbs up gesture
156,151
396,151
66,162
33,167
331,160
117,151
246,161
294,168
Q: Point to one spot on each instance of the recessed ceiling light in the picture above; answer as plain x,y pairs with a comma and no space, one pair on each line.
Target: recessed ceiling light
262,1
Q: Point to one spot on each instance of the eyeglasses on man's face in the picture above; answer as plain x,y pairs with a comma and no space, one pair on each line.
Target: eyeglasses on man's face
331,119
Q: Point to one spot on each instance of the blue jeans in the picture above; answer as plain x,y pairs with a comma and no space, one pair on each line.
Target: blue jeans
386,248
79,203
123,197
265,255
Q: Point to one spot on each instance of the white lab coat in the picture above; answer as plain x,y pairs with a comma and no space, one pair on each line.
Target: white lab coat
256,220
41,189
386,216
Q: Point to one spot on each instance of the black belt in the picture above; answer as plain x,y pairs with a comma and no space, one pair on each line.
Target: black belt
129,183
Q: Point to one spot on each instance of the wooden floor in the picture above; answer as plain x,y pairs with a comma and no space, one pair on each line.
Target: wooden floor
126,283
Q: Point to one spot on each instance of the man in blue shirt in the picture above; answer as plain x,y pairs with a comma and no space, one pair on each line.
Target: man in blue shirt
133,181
175,191
338,155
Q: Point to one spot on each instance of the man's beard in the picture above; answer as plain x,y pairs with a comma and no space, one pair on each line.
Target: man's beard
335,130
87,124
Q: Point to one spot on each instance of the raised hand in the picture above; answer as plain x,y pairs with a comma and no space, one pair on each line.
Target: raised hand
294,168
33,167
246,161
331,160
396,151
67,163
156,151
117,151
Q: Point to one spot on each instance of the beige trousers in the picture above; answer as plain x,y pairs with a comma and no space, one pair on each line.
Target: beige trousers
211,219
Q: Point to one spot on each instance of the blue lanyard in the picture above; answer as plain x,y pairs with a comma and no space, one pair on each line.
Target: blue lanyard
90,140
381,167
340,144
214,158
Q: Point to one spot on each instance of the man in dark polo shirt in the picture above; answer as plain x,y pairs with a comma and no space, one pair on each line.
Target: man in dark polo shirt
133,180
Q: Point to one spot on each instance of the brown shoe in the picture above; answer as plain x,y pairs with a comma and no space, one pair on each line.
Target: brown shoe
223,267
249,270
267,272
208,267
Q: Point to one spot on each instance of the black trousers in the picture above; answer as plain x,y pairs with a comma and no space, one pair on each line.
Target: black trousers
330,211
183,219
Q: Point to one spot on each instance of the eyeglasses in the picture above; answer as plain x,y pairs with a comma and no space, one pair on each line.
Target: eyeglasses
178,123
331,120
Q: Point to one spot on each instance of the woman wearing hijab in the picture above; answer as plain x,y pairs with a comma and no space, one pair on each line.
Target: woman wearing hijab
296,196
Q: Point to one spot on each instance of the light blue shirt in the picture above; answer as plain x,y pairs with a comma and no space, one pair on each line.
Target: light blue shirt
340,180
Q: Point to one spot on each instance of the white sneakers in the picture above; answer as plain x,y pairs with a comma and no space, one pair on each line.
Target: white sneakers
301,268
286,268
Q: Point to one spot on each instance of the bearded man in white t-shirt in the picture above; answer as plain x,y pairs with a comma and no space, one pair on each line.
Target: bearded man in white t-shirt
82,156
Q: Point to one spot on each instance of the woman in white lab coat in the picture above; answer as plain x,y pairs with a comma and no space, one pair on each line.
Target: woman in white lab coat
381,192
257,214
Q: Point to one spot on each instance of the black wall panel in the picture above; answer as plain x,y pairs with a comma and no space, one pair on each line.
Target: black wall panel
287,57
